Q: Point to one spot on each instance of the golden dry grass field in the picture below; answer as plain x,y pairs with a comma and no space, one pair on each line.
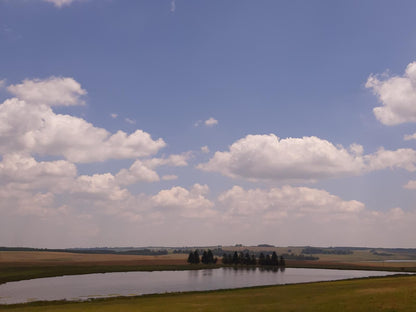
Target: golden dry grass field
66,258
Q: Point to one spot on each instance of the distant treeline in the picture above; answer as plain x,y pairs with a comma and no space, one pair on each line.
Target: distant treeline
300,257
327,251
384,254
143,252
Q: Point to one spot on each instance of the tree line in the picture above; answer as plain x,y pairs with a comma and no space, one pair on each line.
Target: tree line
236,258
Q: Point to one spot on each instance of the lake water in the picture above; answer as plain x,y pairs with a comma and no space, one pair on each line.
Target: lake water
83,287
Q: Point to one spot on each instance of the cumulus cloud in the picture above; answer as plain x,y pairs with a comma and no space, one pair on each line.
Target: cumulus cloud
28,124
411,185
60,3
24,172
205,149
114,116
102,186
404,158
266,157
397,95
54,91
408,137
285,202
211,122
143,170
137,172
188,203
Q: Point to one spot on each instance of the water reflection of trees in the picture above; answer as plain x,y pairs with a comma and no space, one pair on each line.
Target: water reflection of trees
273,269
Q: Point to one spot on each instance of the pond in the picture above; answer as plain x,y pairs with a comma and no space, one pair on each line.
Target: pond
83,287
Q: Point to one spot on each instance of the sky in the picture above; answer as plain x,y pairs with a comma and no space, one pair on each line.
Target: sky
191,123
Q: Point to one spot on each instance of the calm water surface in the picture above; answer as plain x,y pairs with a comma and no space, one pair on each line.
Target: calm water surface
82,287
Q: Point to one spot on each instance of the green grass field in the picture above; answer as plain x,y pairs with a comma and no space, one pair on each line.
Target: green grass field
366,295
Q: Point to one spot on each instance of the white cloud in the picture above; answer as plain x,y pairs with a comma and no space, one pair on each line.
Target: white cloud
286,202
114,116
205,149
31,126
137,172
103,186
397,95
408,137
411,185
188,203
60,3
24,172
211,122
54,91
174,160
143,170
266,157
404,158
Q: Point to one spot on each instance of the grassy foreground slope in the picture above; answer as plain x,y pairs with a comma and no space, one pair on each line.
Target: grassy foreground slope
366,295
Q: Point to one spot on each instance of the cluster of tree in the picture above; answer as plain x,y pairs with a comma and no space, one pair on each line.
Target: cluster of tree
239,258
327,251
247,259
206,258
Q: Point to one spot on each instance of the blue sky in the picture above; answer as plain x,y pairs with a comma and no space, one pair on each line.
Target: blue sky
138,122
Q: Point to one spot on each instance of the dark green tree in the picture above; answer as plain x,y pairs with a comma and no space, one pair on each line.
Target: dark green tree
274,260
268,260
262,259
235,258
247,259
196,257
191,258
210,257
204,258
